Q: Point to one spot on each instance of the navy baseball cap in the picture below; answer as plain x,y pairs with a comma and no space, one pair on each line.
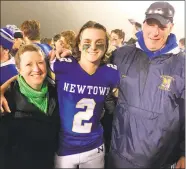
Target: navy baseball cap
161,11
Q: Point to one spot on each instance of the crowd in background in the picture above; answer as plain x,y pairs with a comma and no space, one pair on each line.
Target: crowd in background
29,32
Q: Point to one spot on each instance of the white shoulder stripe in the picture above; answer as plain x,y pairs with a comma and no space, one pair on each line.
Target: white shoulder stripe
112,66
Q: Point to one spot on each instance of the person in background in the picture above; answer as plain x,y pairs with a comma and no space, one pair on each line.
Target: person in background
29,133
110,49
31,34
56,42
117,38
18,38
148,129
7,66
46,41
136,28
64,43
182,44
68,39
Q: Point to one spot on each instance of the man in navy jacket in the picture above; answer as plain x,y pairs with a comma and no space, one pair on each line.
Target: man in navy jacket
149,121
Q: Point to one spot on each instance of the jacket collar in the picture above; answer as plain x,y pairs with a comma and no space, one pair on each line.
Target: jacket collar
170,47
23,105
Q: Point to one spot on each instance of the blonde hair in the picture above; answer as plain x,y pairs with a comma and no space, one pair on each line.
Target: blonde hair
69,37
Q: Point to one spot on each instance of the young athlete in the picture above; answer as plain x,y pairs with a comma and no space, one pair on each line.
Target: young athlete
83,83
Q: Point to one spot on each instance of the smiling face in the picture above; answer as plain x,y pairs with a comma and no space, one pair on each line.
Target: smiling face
92,45
33,68
155,35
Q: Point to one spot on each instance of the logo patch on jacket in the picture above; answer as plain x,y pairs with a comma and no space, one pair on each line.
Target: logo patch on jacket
123,76
166,82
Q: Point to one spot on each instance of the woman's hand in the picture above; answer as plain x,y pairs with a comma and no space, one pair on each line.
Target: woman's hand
3,88
181,163
4,104
59,54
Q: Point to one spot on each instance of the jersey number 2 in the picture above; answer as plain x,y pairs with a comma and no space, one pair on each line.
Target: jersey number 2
78,127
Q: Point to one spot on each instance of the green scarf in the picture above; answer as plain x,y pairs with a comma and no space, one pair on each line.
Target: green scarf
38,98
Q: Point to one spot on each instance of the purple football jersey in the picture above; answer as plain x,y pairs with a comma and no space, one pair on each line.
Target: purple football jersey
81,99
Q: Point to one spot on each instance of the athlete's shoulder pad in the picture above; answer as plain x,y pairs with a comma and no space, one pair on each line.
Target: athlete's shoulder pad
111,66
66,59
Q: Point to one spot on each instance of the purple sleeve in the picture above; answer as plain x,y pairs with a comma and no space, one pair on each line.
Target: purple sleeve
114,75
62,65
